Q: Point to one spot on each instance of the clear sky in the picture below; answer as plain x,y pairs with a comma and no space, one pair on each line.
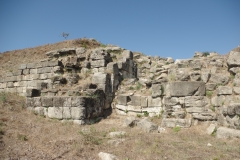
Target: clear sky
167,28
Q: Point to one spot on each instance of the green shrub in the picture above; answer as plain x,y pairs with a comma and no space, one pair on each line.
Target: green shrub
205,54
209,93
145,113
176,129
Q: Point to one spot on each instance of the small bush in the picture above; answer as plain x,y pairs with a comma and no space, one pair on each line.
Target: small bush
209,93
205,54
145,113
22,137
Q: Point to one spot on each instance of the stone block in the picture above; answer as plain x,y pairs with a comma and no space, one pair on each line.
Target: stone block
211,86
98,63
25,72
44,70
156,90
43,76
33,102
146,125
153,111
11,79
196,101
9,74
53,63
144,101
78,101
10,85
154,102
78,113
40,110
180,89
33,71
205,116
67,113
236,90
17,73
55,112
112,67
47,101
233,59
170,101
136,100
62,101
224,90
31,65
22,66
220,78
127,54
223,132
20,78
101,78
123,99
170,122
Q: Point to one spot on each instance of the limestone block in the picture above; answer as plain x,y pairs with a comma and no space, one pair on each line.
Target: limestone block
99,54
78,113
144,101
15,84
43,76
81,52
177,89
107,156
10,85
123,99
2,79
9,74
136,100
154,102
34,102
40,110
223,132
122,107
55,112
196,101
33,71
31,65
153,111
146,125
170,101
19,78
156,90
4,85
11,90
205,116
219,78
44,70
233,59
67,113
134,108
112,67
19,89
127,54
195,64
17,73
224,90
53,63
98,63
11,79
23,83
195,76
236,90
211,86
195,109
22,66
100,78
47,101
234,70
172,122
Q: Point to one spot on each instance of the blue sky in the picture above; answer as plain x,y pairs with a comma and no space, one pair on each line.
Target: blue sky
167,28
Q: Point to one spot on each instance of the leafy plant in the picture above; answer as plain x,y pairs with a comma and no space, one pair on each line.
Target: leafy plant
22,137
138,86
139,115
205,54
145,113
131,88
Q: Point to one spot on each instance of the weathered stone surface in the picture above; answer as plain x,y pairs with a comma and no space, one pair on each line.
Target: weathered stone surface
154,102
144,101
130,122
171,122
22,66
223,132
224,90
146,125
195,109
78,113
205,76
196,101
44,70
234,70
211,129
78,101
211,86
236,90
178,89
182,74
67,113
233,108
170,101
55,112
127,54
100,78
107,156
206,115
233,59
153,111
136,100
219,78
112,67
47,101
156,90
33,93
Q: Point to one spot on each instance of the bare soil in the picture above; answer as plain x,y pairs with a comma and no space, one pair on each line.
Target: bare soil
24,135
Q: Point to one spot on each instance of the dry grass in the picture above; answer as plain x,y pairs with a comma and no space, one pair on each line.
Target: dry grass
28,136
